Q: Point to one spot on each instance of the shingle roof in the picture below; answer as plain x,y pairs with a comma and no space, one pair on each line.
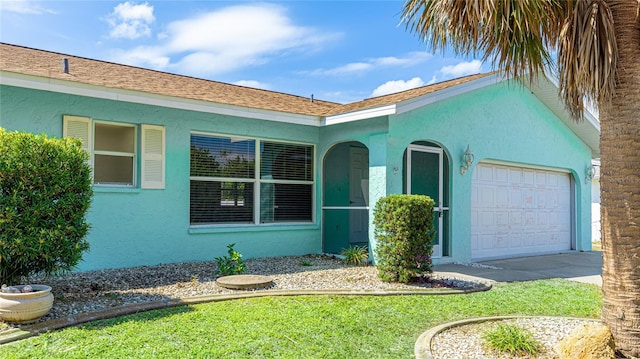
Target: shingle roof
47,64
405,95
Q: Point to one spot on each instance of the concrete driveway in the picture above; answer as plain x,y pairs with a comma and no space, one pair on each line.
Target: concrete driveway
585,267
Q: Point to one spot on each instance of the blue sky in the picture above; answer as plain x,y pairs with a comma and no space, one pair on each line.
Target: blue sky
339,51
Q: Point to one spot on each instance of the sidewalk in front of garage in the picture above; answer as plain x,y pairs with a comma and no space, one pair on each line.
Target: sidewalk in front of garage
585,267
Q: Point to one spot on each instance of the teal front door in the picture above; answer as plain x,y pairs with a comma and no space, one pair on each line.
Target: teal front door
425,176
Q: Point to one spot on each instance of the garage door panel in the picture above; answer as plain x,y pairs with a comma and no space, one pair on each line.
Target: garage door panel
515,218
541,198
486,197
541,179
529,177
519,211
529,219
543,219
515,177
501,241
516,240
529,239
515,198
501,175
502,219
502,197
486,175
528,197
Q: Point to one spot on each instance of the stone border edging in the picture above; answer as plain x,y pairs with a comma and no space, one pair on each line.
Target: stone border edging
27,331
422,348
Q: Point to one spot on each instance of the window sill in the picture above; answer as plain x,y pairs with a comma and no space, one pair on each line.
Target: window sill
106,189
205,229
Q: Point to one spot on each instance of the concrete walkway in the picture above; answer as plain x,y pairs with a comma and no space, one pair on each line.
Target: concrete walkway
585,267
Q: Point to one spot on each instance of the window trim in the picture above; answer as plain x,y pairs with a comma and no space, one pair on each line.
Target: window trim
133,155
256,181
143,176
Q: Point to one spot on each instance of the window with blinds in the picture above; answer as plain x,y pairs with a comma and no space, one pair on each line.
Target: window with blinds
227,188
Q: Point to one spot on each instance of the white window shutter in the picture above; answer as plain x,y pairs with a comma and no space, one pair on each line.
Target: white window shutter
78,127
153,157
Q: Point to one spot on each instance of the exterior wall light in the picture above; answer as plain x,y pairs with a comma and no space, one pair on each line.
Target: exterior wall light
467,160
591,172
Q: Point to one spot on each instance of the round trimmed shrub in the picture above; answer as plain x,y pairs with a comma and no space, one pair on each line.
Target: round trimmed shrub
45,193
404,231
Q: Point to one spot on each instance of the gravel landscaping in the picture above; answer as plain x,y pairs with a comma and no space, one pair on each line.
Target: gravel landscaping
92,291
466,341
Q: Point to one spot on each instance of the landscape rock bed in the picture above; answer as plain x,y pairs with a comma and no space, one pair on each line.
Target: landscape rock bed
465,341
91,291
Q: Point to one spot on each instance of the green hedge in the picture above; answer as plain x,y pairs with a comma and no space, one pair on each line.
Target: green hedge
404,231
45,193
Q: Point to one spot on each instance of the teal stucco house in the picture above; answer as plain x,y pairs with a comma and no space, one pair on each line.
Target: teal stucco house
185,166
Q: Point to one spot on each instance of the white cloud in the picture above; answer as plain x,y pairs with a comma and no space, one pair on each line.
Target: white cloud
353,67
226,40
131,21
462,69
453,71
24,7
412,58
252,83
143,55
397,86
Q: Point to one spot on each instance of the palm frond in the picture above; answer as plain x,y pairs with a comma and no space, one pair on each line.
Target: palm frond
587,56
514,35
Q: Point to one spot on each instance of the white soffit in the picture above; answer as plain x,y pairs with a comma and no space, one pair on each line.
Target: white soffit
74,88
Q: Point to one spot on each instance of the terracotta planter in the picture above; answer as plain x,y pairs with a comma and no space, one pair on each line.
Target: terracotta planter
26,307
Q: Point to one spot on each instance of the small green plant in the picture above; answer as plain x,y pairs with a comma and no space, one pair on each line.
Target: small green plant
356,255
195,278
231,264
305,262
511,339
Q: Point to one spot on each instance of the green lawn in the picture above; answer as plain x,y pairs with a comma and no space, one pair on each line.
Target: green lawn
302,327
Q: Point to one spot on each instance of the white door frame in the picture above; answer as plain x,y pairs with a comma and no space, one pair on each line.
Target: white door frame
438,207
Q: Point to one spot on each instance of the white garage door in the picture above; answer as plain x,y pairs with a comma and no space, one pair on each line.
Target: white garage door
519,211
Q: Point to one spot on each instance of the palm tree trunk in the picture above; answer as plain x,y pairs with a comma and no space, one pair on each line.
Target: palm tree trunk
620,186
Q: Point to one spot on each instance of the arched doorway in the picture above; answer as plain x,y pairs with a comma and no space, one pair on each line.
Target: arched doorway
345,198
427,173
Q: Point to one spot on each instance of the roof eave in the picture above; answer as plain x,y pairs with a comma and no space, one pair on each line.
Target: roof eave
114,94
403,106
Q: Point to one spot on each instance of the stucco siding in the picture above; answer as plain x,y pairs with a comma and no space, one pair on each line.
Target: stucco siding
503,123
133,226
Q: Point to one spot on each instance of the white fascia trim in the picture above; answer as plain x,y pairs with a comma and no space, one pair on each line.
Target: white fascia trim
74,88
360,115
417,102
414,103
